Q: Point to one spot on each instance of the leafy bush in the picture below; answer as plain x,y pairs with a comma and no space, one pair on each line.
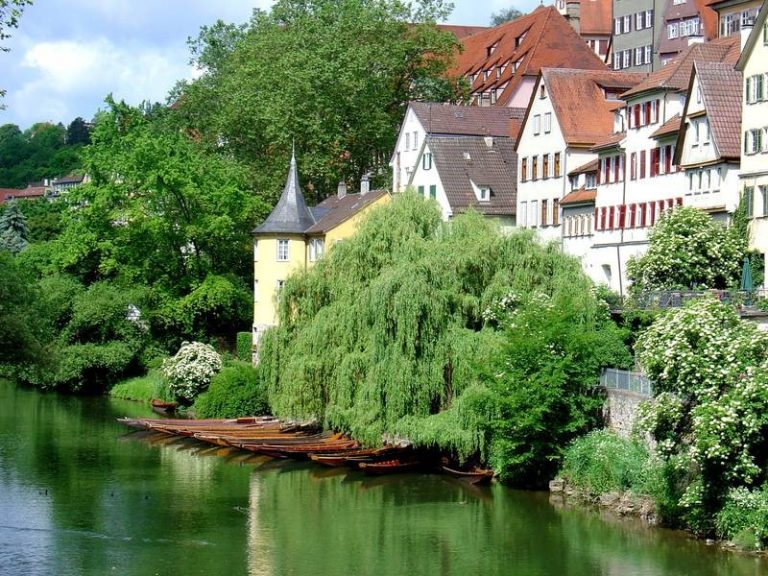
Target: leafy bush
244,346
190,371
152,385
602,461
744,518
235,391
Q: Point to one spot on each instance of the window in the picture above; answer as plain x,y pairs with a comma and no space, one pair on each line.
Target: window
279,285
433,191
316,249
676,2
420,190
426,161
753,141
547,122
524,214
282,250
627,23
639,55
524,169
544,214
536,124
763,191
545,166
535,168
749,200
655,160
617,26
485,193
255,250
626,58
534,212
672,30
633,166
654,111
590,181
704,130
555,212
754,90
648,18
557,164
642,164
639,19
415,140
407,140
647,58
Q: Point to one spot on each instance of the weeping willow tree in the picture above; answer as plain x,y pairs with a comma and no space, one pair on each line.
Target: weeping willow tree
452,336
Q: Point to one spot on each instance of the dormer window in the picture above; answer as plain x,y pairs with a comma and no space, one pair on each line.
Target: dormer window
486,73
485,194
519,39
492,48
542,91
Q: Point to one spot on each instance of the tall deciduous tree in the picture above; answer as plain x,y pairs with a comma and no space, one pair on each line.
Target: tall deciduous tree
506,15
333,75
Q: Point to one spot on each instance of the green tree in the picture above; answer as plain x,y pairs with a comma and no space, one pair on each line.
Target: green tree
77,132
333,76
18,334
505,15
14,233
709,415
688,249
456,337
10,13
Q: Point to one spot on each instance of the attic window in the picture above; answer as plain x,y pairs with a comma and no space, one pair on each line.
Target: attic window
542,91
467,157
492,48
519,39
485,194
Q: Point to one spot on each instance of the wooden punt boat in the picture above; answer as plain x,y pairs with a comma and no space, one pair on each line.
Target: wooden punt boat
299,450
163,407
147,423
353,457
254,438
394,466
475,475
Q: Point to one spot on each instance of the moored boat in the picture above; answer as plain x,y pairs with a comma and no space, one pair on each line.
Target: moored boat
163,407
475,475
394,466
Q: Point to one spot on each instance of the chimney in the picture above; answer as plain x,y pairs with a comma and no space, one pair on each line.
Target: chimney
746,30
365,185
573,14
342,189
488,141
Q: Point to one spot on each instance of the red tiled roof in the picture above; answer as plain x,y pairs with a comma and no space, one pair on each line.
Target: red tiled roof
590,166
24,193
580,196
708,18
522,47
461,31
671,126
721,92
596,17
676,74
469,120
609,141
584,112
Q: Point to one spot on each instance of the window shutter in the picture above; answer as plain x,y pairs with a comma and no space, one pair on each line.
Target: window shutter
748,90
622,215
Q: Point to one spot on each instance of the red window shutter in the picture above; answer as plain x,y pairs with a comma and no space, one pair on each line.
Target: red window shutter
654,162
678,201
667,159
642,163
615,168
637,114
597,176
611,218
632,208
597,218
622,215
602,218
633,166
656,119
646,113
653,214
641,217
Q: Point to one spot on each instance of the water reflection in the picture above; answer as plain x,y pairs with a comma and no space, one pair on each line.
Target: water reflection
79,496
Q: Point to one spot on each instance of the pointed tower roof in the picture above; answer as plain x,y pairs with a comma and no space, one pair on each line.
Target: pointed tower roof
291,215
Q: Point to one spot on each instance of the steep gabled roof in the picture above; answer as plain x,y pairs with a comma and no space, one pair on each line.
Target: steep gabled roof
585,101
461,161
522,47
720,87
339,210
675,75
757,32
291,215
451,119
461,31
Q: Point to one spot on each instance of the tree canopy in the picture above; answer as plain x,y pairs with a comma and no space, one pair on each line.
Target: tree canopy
505,15
688,249
333,76
454,337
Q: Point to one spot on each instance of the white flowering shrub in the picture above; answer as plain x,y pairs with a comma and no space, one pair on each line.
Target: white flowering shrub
190,371
711,373
688,249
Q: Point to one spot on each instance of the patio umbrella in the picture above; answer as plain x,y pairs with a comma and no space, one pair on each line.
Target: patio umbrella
746,277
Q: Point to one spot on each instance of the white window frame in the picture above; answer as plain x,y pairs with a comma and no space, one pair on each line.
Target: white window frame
536,124
415,140
639,20
407,140
673,30
648,18
627,23
283,250
485,193
648,53
617,26
524,214
547,122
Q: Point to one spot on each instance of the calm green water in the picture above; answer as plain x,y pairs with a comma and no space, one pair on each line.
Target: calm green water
80,496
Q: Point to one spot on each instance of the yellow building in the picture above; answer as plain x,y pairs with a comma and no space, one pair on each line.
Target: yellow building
294,237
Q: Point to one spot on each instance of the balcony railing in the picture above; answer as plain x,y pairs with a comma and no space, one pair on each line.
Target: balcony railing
615,379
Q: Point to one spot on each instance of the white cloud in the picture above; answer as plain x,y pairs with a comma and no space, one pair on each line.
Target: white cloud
71,71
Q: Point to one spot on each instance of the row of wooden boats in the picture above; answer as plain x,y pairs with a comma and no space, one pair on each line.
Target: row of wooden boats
278,439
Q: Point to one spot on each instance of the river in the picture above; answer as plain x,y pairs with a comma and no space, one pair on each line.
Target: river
80,496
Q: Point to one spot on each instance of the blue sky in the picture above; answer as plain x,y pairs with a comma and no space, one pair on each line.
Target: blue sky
67,55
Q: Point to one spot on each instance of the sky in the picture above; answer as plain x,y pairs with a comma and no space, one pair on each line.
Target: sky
68,55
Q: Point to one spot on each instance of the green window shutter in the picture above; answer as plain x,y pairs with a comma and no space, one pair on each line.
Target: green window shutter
433,191
746,92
